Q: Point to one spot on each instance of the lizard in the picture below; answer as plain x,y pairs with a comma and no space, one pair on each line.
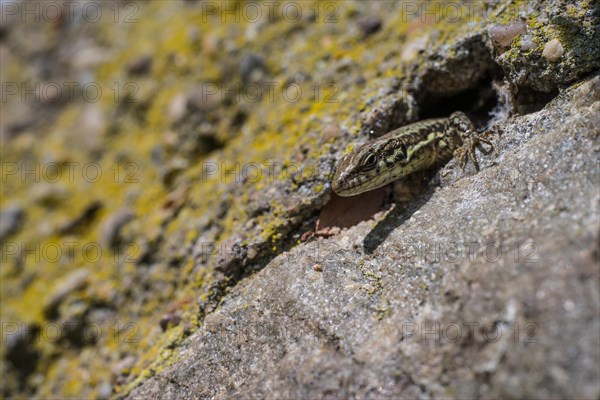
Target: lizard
408,149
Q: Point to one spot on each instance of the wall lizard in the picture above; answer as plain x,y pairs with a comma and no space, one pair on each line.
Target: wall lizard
408,149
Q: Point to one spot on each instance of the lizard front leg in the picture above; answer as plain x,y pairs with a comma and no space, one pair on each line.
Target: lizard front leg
467,151
470,139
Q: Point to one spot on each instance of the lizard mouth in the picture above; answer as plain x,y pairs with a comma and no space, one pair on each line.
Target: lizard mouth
361,184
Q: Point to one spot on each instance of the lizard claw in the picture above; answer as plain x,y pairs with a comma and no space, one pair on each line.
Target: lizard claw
467,151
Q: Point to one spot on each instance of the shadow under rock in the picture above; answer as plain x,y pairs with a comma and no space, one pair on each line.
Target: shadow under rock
396,217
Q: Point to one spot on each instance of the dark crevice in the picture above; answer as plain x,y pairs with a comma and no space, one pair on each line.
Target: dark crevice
474,83
472,100
527,101
21,352
477,102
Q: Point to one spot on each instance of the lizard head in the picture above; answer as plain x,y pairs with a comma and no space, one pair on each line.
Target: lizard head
366,168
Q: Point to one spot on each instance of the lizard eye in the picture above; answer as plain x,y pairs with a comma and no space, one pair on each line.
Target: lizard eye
370,160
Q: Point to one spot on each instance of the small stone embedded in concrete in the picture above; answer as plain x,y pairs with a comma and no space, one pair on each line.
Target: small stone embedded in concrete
252,68
527,42
503,35
109,233
75,281
369,25
169,320
11,220
553,50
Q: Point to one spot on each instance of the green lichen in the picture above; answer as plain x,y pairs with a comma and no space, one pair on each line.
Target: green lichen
376,286
179,41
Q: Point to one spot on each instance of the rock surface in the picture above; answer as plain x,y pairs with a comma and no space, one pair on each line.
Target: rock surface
179,237
487,289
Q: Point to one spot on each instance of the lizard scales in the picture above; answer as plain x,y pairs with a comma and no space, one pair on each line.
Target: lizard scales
406,150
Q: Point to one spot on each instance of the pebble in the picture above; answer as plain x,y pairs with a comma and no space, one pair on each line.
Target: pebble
76,280
414,47
503,35
527,42
171,170
252,253
369,25
331,132
175,200
49,92
93,122
169,320
82,221
11,220
229,251
49,194
88,57
177,107
140,65
252,68
553,50
124,366
104,390
109,232
210,44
